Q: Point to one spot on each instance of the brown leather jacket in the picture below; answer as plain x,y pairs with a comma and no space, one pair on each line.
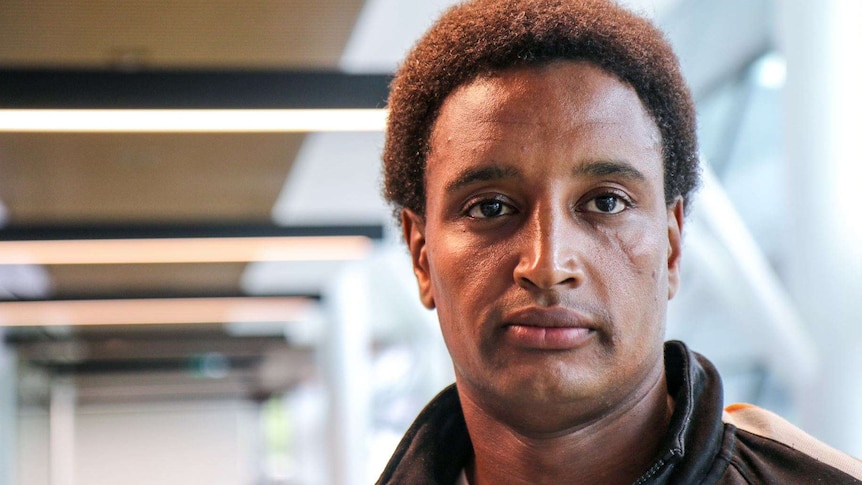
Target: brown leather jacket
705,444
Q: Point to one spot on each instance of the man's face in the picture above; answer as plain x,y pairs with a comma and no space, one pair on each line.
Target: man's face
547,247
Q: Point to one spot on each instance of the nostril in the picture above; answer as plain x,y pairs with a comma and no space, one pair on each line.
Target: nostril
549,280
570,281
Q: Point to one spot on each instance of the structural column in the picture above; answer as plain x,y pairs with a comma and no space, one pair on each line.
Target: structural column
348,357
8,413
821,43
62,431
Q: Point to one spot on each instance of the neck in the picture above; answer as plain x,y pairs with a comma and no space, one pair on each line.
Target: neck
616,448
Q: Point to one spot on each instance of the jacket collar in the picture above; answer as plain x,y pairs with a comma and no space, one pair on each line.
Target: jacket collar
437,446
695,433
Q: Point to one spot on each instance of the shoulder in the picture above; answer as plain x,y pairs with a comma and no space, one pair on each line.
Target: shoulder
768,449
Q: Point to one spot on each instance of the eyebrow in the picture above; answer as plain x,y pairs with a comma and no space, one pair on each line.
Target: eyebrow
484,174
609,167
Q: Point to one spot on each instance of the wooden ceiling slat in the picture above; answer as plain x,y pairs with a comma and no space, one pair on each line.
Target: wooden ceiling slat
176,33
96,280
126,177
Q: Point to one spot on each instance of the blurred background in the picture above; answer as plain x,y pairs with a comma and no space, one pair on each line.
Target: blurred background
219,297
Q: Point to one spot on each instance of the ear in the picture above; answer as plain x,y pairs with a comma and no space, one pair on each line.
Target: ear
675,216
413,226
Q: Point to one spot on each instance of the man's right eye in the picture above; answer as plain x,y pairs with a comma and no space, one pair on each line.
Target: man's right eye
487,209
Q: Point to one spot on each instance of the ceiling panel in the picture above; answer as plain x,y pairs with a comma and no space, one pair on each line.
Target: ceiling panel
160,363
175,33
144,279
133,177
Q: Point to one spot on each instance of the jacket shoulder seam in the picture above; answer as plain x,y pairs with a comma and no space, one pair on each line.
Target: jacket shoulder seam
767,425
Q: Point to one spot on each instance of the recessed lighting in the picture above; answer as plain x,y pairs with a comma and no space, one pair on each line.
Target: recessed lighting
154,311
192,120
185,250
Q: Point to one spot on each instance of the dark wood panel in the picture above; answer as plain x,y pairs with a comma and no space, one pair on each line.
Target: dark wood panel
175,33
156,279
133,177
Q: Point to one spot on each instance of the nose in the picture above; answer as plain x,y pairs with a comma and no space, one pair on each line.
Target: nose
551,252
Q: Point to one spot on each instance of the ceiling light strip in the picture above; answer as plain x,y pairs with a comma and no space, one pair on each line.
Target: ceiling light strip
185,250
192,120
155,311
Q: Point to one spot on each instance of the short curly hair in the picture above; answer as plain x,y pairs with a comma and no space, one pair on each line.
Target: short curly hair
484,36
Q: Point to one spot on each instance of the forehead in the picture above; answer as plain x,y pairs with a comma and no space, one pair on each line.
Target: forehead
571,106
579,87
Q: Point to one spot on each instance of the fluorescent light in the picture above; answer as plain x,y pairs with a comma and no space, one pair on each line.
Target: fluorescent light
156,311
185,250
191,120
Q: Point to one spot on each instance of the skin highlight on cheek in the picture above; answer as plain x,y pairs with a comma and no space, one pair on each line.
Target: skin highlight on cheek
632,253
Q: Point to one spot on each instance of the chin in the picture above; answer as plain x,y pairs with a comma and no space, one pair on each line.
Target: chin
549,409
544,387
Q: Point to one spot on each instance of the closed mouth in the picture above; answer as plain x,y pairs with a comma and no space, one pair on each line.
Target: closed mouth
551,328
548,317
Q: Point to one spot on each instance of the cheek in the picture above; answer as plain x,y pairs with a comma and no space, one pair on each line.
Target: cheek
636,263
468,278
633,281
462,266
458,271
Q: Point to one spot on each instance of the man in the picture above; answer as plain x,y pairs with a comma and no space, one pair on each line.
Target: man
541,155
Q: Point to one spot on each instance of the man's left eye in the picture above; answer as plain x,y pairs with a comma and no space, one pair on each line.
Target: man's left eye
488,209
606,204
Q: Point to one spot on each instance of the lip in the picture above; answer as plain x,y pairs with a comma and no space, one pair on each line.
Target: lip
548,328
